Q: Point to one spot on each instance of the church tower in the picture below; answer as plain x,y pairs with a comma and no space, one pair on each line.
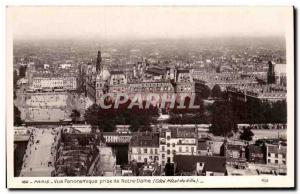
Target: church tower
98,63
271,73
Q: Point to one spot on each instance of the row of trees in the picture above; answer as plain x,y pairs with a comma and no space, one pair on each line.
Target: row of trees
107,119
215,92
255,111
226,115
223,120
140,119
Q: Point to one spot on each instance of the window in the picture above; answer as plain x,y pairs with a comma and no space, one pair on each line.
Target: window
155,151
180,149
163,156
269,154
269,161
192,149
168,145
276,161
151,151
173,144
168,152
187,149
163,148
150,157
145,150
276,155
139,150
168,137
283,162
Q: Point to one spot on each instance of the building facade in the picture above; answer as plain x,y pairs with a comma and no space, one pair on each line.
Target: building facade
276,154
144,148
177,141
59,82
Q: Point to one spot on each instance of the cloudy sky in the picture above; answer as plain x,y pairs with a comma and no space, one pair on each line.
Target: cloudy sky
147,22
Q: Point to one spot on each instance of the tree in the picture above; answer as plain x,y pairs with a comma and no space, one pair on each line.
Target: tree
247,134
205,92
223,119
250,111
91,115
107,119
17,117
134,125
279,112
216,91
75,115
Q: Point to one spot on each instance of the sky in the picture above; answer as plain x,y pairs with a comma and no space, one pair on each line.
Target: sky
146,22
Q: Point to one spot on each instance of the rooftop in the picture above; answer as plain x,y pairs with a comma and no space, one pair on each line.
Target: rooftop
180,132
188,163
277,149
255,149
145,139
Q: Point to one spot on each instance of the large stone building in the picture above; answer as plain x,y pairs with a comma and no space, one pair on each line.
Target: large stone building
276,154
144,148
190,165
54,82
177,141
145,80
162,146
263,93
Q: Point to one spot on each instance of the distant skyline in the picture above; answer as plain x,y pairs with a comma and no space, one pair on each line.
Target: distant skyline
147,22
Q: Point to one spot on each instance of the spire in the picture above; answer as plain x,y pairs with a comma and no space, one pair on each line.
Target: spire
99,60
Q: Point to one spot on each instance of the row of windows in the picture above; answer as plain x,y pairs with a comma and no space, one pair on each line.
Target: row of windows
180,141
118,82
53,82
150,158
276,155
185,89
155,84
98,85
118,90
136,89
52,79
180,149
117,138
184,78
276,161
145,151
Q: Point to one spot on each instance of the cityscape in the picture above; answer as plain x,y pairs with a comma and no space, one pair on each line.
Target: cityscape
211,106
